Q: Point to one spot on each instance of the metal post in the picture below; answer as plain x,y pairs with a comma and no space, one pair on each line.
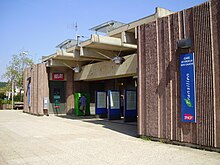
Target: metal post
12,93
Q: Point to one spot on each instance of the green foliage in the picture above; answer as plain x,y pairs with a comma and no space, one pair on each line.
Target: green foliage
3,84
18,97
145,138
2,96
16,68
6,102
2,101
2,92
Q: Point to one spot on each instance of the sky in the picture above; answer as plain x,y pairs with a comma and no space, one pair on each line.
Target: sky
38,26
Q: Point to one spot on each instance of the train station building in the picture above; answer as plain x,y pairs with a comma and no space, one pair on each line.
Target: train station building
161,71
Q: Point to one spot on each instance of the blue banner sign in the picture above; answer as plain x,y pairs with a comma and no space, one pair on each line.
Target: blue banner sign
187,85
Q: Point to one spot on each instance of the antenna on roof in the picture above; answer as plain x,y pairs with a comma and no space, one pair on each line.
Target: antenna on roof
76,30
74,26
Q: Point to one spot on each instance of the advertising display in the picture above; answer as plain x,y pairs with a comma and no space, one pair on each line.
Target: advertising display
131,100
101,100
101,103
114,97
114,109
130,110
187,86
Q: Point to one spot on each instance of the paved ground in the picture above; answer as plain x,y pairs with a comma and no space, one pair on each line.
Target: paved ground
27,139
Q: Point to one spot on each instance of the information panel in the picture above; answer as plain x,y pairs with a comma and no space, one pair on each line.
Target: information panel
114,109
101,103
131,100
187,83
114,99
130,110
101,100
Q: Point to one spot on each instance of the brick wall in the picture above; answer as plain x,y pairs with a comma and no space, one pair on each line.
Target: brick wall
215,19
159,77
69,92
39,88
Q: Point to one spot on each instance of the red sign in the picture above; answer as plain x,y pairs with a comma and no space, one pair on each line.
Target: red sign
188,117
57,76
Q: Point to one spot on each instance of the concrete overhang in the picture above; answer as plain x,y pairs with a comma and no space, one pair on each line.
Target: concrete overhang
62,55
61,58
93,54
108,43
131,27
61,63
46,58
105,43
108,70
97,48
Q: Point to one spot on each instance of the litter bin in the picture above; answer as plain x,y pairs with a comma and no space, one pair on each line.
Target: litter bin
77,104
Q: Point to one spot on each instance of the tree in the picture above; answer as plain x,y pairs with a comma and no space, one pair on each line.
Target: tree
16,67
3,84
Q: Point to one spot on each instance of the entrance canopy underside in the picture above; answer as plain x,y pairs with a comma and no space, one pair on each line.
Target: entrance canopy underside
108,70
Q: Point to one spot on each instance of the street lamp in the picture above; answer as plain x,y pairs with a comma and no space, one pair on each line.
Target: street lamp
12,92
23,54
118,60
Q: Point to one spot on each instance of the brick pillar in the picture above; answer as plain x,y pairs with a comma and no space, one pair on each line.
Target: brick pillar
69,92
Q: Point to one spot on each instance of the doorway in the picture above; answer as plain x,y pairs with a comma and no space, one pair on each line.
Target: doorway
57,97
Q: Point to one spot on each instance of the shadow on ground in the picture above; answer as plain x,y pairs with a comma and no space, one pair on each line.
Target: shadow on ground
127,128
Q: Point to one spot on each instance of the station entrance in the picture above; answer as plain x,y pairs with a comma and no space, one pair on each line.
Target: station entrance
57,94
113,99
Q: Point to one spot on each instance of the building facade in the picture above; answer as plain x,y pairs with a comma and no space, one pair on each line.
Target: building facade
88,66
144,56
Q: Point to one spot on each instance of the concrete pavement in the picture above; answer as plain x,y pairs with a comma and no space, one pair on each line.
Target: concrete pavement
28,139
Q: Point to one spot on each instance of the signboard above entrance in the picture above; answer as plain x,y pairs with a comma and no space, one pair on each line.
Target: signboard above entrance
58,76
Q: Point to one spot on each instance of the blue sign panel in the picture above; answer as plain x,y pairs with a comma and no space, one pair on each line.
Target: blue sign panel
187,84
101,103
114,110
29,94
130,108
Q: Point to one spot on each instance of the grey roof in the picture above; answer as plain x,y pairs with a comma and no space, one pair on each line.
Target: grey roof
107,26
67,43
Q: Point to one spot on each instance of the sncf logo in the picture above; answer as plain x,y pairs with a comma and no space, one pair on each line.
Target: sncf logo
188,117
